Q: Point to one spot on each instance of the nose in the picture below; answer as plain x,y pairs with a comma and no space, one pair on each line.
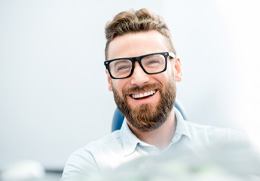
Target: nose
139,77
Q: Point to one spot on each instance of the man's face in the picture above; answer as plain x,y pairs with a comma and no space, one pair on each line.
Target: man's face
145,100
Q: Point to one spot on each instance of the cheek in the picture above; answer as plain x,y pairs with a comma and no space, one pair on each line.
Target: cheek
170,70
118,86
170,74
164,77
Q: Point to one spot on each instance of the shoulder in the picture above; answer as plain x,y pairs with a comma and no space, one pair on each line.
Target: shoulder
88,159
109,142
206,134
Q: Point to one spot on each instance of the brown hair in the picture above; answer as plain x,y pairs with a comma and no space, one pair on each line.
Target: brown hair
136,21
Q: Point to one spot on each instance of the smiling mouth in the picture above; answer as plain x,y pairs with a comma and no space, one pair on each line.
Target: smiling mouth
143,95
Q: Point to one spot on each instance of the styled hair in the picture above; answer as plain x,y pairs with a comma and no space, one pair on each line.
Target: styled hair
132,21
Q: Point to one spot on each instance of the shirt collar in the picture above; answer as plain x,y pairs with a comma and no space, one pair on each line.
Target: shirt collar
130,141
181,127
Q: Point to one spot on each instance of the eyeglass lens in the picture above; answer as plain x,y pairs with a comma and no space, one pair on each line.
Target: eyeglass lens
150,63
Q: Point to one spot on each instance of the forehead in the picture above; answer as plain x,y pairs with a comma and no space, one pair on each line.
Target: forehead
136,44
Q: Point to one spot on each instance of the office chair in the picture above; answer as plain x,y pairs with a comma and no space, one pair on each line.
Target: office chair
118,117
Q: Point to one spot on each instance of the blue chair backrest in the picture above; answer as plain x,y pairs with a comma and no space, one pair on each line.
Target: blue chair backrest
118,117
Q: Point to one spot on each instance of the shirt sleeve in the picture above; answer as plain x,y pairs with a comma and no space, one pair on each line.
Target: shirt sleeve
81,164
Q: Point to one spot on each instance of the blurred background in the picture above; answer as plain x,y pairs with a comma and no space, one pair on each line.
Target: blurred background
53,92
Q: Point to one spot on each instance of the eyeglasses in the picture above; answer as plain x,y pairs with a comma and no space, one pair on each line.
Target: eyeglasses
154,63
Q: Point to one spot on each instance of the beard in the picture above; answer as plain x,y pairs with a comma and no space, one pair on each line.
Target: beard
147,117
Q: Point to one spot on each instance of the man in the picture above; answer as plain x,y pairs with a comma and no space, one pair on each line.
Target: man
142,71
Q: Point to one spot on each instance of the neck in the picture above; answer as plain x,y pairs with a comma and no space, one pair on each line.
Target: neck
160,137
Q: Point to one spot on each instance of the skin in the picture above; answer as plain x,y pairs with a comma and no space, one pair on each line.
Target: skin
136,44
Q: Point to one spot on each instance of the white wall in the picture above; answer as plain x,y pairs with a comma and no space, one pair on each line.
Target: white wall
243,26
53,94
203,44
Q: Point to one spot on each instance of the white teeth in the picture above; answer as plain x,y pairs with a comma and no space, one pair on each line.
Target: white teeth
145,94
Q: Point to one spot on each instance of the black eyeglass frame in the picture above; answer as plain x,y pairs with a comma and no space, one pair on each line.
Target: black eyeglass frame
138,59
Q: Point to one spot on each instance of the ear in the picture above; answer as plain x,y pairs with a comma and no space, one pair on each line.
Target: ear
109,81
177,69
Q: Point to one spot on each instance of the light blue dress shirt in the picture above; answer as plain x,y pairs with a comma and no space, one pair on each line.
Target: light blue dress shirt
122,145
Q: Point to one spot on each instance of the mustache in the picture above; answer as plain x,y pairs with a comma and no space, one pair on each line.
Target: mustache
147,87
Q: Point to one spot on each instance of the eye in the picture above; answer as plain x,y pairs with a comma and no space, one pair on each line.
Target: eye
153,62
122,67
